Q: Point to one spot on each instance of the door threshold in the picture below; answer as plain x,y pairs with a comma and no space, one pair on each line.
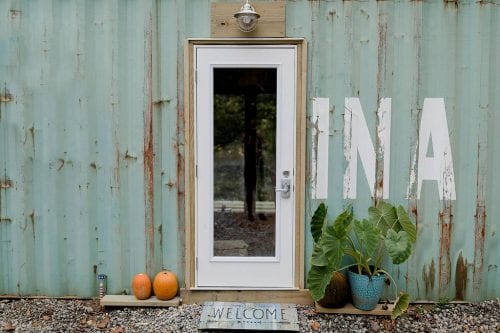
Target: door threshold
243,288
289,296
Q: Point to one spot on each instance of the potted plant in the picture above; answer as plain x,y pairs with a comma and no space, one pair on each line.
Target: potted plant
387,233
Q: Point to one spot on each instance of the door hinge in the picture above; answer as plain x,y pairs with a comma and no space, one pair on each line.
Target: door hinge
196,76
196,263
196,170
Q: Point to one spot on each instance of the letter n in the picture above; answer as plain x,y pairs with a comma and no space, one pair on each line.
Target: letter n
357,139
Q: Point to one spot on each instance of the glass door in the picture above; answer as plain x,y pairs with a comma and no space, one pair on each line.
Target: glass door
245,145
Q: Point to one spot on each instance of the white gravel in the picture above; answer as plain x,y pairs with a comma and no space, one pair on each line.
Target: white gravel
52,315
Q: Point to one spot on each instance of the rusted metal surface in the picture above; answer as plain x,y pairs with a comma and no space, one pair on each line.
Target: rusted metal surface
92,170
400,50
479,240
429,276
446,224
460,278
149,154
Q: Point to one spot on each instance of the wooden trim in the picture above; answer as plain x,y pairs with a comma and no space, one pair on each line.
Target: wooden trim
271,22
301,296
189,164
300,163
252,41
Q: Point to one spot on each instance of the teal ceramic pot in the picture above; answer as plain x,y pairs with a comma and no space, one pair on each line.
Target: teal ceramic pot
366,291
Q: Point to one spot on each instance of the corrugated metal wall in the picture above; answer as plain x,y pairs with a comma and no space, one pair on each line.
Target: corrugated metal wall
91,150
408,51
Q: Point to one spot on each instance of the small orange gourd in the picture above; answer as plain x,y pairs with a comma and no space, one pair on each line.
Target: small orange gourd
141,286
165,285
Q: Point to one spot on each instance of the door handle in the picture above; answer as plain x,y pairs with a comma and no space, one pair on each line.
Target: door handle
285,188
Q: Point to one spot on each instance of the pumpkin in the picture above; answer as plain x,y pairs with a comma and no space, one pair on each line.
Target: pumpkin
141,286
336,293
165,285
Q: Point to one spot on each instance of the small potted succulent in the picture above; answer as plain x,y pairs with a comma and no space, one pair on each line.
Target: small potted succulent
387,233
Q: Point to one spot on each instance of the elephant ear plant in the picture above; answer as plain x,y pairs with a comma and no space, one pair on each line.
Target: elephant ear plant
388,232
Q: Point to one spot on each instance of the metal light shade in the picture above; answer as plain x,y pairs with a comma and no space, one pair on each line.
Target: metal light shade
247,17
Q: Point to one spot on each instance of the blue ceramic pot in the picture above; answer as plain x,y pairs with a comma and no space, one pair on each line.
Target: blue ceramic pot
366,291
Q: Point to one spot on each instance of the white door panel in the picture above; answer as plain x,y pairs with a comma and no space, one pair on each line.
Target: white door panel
254,86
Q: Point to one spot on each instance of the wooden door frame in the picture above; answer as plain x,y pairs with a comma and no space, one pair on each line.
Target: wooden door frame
189,293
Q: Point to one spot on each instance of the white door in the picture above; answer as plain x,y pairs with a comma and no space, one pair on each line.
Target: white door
245,158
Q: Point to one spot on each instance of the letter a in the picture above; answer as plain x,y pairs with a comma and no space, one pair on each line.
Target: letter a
439,167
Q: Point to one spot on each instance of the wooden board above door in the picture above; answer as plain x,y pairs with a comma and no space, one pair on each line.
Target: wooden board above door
271,22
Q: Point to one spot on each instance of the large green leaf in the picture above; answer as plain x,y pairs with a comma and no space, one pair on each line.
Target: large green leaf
342,224
318,257
317,280
406,224
333,243
317,221
367,235
383,216
401,305
398,246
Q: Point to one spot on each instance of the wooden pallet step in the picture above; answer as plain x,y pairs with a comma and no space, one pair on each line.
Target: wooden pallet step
130,300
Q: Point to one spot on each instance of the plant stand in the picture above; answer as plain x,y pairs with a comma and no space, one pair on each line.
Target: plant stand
350,309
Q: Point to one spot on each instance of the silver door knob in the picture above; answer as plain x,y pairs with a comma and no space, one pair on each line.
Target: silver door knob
285,188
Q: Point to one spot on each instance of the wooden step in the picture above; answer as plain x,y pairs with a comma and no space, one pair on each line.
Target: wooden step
130,300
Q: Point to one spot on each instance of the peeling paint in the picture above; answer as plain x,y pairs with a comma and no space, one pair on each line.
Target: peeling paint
32,220
116,168
160,232
5,183
383,159
15,13
460,278
445,223
6,97
319,156
149,149
357,140
429,276
479,238
61,163
130,156
439,167
451,3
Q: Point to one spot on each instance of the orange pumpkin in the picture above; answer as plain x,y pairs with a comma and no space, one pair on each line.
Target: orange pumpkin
141,286
165,285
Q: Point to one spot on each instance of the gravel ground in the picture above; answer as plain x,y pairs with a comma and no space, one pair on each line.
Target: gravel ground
258,234
51,315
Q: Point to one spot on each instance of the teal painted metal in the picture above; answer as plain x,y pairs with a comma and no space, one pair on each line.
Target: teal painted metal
411,50
91,137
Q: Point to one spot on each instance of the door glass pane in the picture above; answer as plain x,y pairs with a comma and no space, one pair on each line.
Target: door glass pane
244,162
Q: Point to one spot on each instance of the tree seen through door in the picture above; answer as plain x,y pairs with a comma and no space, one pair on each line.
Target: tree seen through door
244,161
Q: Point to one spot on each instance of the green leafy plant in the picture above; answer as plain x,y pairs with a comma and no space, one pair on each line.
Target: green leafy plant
388,232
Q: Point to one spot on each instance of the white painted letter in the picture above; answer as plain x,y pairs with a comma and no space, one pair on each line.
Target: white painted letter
357,139
320,135
439,167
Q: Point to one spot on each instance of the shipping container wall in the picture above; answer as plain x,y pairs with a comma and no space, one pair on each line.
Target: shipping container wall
436,64
92,139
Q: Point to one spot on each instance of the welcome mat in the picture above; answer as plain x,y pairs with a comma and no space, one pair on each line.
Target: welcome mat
249,316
